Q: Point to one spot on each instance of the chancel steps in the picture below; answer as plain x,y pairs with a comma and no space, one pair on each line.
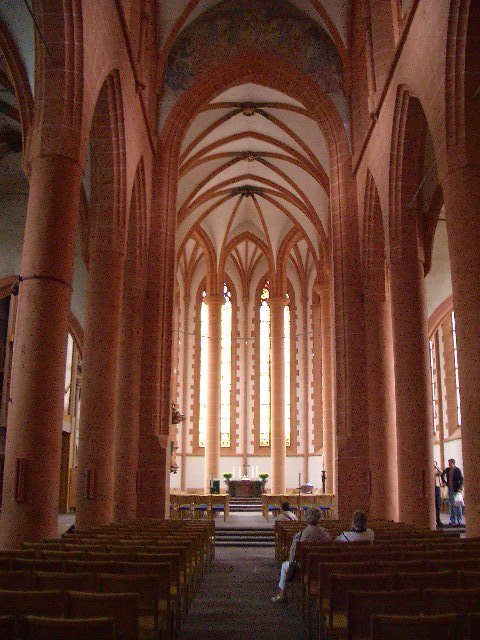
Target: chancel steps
245,505
245,537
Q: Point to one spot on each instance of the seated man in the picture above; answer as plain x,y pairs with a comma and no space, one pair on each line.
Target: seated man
286,514
359,530
312,532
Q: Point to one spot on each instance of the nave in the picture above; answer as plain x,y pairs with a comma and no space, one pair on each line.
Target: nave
234,600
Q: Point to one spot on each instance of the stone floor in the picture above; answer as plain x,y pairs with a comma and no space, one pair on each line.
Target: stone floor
234,603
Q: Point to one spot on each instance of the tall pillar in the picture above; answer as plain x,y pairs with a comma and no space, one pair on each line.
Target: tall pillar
381,402
327,389
305,401
128,396
186,381
34,426
277,351
99,389
212,435
412,383
461,189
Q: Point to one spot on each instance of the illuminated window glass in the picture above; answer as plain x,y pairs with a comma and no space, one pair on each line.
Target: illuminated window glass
431,347
264,366
455,358
226,369
202,418
286,342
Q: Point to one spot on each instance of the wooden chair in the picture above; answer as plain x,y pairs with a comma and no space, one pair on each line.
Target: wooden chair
469,579
424,579
16,580
342,584
122,607
7,628
42,628
154,598
363,604
21,603
473,626
65,581
441,627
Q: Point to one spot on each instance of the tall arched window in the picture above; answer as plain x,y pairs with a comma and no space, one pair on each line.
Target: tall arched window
226,369
264,367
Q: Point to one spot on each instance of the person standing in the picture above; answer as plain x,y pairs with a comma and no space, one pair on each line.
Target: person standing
452,476
438,485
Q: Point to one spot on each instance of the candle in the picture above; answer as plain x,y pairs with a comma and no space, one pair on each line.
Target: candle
299,481
233,473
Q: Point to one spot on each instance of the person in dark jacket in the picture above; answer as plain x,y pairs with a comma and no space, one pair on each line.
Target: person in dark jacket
452,476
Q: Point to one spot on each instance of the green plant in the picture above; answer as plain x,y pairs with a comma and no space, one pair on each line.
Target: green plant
227,475
263,477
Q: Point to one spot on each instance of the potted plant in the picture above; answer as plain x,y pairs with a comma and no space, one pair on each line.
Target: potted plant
226,476
263,477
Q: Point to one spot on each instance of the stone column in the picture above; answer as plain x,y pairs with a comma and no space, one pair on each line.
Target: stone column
99,389
305,399
461,189
412,383
33,445
212,435
128,396
381,402
327,389
277,351
186,382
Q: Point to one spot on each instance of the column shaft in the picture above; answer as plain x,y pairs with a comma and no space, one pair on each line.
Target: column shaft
462,202
412,388
98,415
212,435
381,405
277,350
128,400
34,427
327,387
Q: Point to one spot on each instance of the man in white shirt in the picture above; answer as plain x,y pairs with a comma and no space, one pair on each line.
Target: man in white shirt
359,531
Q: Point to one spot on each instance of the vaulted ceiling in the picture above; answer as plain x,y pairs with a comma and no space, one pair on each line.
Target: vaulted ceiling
254,165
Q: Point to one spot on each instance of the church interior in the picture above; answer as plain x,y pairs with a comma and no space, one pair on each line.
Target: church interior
239,252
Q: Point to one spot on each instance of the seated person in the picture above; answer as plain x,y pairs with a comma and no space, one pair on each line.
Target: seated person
312,532
359,530
286,514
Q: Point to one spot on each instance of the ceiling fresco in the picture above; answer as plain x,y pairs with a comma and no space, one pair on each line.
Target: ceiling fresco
268,26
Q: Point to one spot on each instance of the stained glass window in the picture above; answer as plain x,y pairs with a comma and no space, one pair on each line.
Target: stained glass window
455,359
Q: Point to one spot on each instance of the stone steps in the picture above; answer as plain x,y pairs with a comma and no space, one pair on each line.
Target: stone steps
244,537
245,505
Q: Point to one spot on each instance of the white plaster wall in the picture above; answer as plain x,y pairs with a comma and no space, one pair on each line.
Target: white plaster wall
194,472
293,467
315,471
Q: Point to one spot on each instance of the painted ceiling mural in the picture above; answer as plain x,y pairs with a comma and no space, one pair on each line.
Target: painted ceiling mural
263,25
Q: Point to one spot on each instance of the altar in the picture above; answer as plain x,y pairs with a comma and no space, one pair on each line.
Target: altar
245,488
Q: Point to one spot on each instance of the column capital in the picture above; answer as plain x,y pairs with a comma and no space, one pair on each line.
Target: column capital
212,299
278,301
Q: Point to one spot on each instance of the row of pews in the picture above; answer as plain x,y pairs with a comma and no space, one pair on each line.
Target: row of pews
124,581
193,505
419,577
271,503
